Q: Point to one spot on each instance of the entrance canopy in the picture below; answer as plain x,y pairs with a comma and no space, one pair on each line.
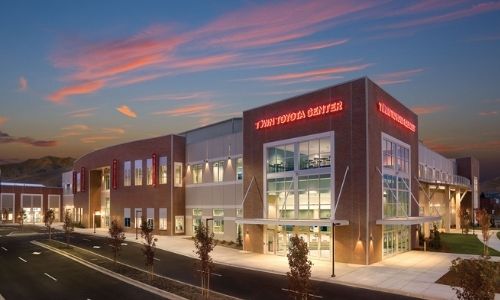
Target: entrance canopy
294,222
408,220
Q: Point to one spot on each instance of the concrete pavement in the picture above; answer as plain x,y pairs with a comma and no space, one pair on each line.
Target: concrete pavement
412,273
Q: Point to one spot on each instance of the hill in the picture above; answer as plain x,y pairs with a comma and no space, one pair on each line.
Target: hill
46,170
490,186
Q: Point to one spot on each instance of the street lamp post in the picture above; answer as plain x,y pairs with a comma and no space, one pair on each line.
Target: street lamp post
137,227
333,247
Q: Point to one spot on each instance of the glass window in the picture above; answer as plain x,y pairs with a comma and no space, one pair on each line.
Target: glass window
138,172
163,219
315,154
78,182
239,213
239,169
314,196
149,171
218,171
127,179
178,174
163,170
280,158
106,179
218,215
197,213
197,173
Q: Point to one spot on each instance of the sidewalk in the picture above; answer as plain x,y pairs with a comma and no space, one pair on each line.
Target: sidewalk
412,273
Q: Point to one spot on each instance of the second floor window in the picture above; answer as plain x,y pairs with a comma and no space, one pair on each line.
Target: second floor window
138,172
149,171
198,173
218,171
163,170
127,177
239,169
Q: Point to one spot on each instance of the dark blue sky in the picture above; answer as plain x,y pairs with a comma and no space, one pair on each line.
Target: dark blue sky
76,76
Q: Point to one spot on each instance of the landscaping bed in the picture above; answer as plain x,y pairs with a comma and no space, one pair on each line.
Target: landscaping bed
170,285
452,278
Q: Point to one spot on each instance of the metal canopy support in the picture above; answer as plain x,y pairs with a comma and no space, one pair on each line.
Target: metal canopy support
382,176
427,196
340,192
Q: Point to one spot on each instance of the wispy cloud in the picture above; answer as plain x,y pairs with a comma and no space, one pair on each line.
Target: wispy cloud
187,110
78,89
175,96
115,130
3,120
79,127
429,109
23,83
315,73
124,109
81,113
396,77
6,138
97,138
453,148
488,113
446,17
266,25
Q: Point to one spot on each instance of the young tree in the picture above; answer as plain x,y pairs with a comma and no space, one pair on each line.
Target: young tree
204,243
5,215
477,278
465,220
300,268
21,217
484,220
68,226
117,237
149,245
48,219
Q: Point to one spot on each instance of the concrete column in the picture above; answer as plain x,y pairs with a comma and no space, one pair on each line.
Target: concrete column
457,208
427,211
447,214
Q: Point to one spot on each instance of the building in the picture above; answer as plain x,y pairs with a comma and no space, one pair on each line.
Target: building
339,166
34,199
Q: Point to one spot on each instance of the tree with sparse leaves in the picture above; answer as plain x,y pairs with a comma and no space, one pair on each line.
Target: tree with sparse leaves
68,226
299,284
48,219
464,220
116,237
204,242
149,245
484,220
21,217
477,278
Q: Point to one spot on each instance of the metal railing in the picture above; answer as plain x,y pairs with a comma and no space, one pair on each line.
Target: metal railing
427,174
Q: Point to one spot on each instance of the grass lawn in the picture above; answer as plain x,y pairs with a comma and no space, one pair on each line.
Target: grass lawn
463,244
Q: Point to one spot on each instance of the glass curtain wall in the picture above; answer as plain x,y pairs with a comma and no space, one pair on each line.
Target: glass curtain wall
395,194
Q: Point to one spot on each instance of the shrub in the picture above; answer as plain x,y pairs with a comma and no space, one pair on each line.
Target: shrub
477,278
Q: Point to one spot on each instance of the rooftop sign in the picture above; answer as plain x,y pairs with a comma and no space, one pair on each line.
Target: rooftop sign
311,112
386,110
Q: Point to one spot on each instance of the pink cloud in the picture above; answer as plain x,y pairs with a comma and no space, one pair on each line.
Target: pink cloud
175,97
451,16
3,120
125,110
396,77
97,138
488,113
115,130
187,110
81,113
23,83
6,138
79,89
315,73
429,109
274,23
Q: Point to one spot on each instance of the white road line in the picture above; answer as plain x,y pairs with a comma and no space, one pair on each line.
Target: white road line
4,249
22,259
55,279
36,253
156,258
96,247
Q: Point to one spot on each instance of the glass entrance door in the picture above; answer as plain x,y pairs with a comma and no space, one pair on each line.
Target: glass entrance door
396,239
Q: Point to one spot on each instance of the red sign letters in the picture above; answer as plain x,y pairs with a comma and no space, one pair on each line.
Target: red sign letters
395,116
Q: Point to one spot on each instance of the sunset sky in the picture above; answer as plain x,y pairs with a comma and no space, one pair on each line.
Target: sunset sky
81,75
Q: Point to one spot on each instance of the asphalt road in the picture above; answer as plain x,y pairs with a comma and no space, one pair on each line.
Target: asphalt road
242,283
25,275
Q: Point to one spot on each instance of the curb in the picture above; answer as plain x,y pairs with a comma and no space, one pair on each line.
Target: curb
125,279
